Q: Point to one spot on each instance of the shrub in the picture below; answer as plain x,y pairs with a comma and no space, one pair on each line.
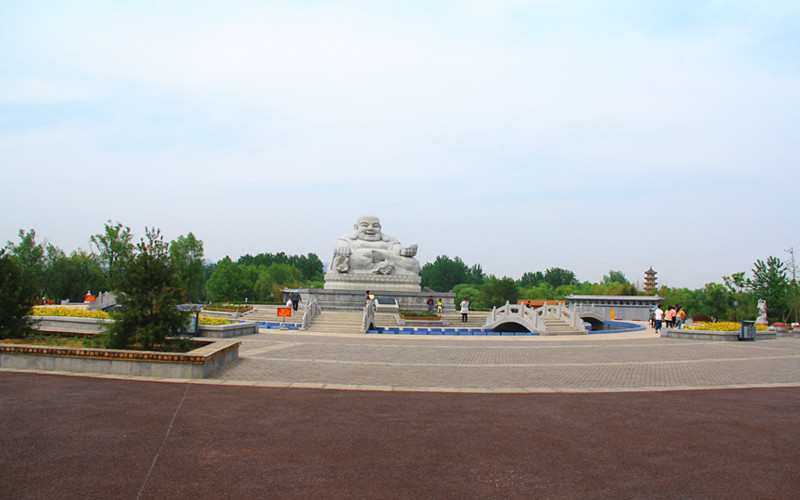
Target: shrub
722,326
17,296
418,314
228,308
701,318
211,320
69,312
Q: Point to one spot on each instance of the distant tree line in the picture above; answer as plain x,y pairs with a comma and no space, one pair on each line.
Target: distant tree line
52,275
261,278
734,300
44,271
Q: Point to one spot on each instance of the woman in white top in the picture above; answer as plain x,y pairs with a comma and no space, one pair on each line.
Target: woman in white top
464,310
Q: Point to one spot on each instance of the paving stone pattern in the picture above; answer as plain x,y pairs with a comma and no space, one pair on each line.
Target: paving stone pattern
615,363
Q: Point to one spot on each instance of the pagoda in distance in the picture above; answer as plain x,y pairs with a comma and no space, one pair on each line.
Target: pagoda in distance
650,281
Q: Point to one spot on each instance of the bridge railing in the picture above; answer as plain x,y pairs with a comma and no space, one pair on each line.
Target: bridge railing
572,314
558,310
312,311
589,310
369,316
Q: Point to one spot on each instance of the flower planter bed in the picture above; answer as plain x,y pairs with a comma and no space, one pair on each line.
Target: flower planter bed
227,331
198,363
65,324
730,336
68,324
421,321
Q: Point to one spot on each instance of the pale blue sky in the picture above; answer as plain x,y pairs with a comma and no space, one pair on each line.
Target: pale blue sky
518,135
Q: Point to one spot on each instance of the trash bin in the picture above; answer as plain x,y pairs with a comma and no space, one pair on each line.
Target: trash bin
747,331
192,325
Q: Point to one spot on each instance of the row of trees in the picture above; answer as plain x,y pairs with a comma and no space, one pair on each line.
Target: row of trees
55,275
484,291
736,299
260,278
151,279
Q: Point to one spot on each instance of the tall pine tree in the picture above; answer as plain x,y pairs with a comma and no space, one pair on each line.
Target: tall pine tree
148,291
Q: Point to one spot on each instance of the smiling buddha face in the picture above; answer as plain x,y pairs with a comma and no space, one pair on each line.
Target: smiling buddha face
368,228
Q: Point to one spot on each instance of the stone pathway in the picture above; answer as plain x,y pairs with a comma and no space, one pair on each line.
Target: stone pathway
638,361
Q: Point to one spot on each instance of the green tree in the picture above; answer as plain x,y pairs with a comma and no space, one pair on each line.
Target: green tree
496,292
771,284
310,265
470,292
186,256
614,277
444,273
716,301
230,282
745,304
114,246
542,291
148,291
690,300
311,268
530,279
272,279
70,277
557,277
475,275
562,291
17,296
31,257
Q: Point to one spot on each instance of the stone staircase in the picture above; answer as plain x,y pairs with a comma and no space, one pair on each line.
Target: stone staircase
336,322
558,326
474,320
269,313
333,321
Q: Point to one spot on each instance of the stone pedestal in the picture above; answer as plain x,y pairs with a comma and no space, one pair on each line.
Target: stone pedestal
371,282
353,300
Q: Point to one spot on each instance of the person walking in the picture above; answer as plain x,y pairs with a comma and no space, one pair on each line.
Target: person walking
669,317
430,304
464,310
659,317
680,317
439,307
295,298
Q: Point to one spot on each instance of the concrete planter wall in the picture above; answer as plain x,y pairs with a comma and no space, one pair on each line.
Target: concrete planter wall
196,364
420,322
675,333
90,325
69,325
227,331
223,314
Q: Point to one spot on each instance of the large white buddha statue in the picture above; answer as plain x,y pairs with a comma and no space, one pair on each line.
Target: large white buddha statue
367,250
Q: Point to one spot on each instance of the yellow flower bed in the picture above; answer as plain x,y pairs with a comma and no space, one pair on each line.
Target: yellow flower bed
69,312
211,320
722,326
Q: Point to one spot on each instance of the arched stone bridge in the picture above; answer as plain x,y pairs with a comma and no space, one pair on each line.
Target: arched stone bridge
556,319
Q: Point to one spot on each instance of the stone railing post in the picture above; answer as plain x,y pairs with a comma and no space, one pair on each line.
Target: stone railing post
312,310
369,316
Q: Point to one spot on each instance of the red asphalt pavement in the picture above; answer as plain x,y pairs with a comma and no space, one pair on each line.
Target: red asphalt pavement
82,437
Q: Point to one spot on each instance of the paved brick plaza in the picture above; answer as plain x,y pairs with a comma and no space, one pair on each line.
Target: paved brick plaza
617,362
591,417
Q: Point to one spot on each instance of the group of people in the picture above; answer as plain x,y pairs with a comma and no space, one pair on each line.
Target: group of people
464,305
672,318
439,306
